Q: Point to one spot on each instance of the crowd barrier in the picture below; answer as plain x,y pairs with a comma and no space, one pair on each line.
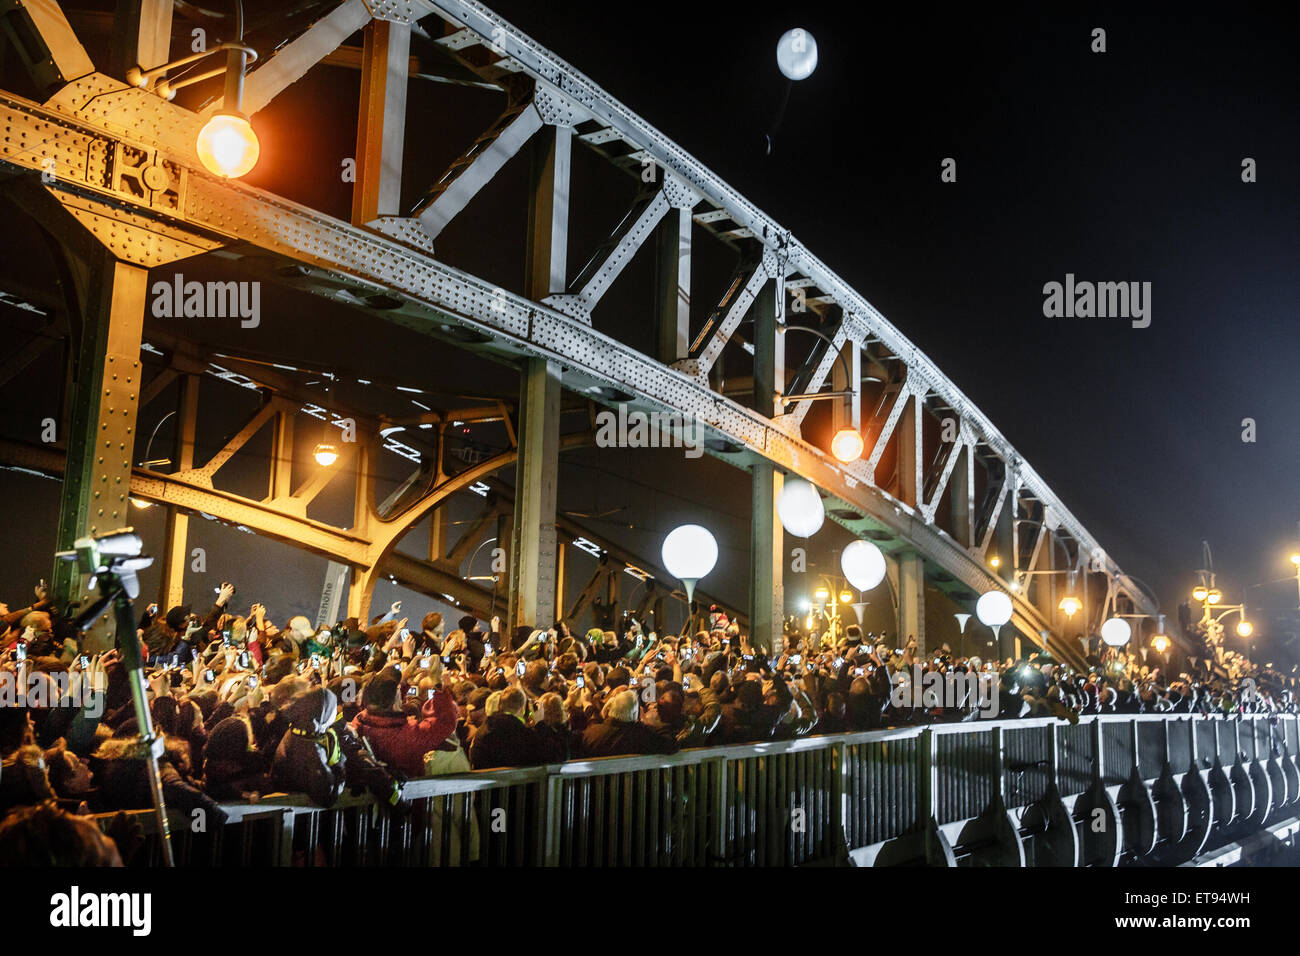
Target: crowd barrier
1107,791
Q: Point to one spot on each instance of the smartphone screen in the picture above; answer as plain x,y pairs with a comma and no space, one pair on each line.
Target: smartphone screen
85,662
252,682
210,676
520,668
446,660
487,648
424,662
20,651
580,681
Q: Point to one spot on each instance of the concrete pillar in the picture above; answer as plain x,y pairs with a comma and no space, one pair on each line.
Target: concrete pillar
532,550
911,567
104,393
533,575
911,600
381,121
767,546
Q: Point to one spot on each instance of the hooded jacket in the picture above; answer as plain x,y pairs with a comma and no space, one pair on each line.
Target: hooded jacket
401,741
309,759
122,779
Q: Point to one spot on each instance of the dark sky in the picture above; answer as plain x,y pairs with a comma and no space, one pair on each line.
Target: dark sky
1122,166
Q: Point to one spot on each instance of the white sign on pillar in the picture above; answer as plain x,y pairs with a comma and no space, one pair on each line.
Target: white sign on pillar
336,582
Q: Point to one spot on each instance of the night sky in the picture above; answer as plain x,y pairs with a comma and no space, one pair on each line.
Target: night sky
1119,166
1122,166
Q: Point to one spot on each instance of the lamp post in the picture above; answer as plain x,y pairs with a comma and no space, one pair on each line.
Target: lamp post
846,444
226,145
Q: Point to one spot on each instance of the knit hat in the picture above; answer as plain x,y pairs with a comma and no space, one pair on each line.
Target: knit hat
380,693
176,616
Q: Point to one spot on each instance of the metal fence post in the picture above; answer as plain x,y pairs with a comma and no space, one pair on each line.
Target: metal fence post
553,795
718,805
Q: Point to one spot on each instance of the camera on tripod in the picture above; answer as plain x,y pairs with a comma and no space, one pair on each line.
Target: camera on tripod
117,552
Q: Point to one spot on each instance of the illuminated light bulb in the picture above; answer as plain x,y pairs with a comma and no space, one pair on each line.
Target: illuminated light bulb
326,454
1245,628
846,597
1160,643
227,145
1200,593
822,594
995,562
847,445
1070,605
1215,596
141,503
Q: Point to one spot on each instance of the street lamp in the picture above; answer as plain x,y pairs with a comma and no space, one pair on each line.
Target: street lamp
1160,643
1200,593
226,145
847,445
1245,628
1070,605
326,454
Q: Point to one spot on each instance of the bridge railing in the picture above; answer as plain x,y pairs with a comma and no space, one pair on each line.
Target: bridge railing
1025,792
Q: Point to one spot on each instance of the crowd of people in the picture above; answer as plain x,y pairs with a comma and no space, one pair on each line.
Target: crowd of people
247,708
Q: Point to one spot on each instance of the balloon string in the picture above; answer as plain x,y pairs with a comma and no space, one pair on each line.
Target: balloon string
770,137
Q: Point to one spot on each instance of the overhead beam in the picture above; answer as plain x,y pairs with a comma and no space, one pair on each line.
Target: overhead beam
45,42
292,61
381,121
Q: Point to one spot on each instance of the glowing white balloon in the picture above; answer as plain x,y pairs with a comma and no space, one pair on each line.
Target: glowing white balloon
690,552
796,54
1116,632
863,564
993,608
800,508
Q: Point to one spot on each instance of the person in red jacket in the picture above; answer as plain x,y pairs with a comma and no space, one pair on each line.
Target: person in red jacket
398,740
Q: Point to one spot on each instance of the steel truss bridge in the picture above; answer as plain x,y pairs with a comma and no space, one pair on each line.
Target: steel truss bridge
110,170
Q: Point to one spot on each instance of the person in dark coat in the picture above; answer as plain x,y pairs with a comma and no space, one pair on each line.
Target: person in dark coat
622,732
122,777
747,719
309,759
556,743
233,766
505,740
